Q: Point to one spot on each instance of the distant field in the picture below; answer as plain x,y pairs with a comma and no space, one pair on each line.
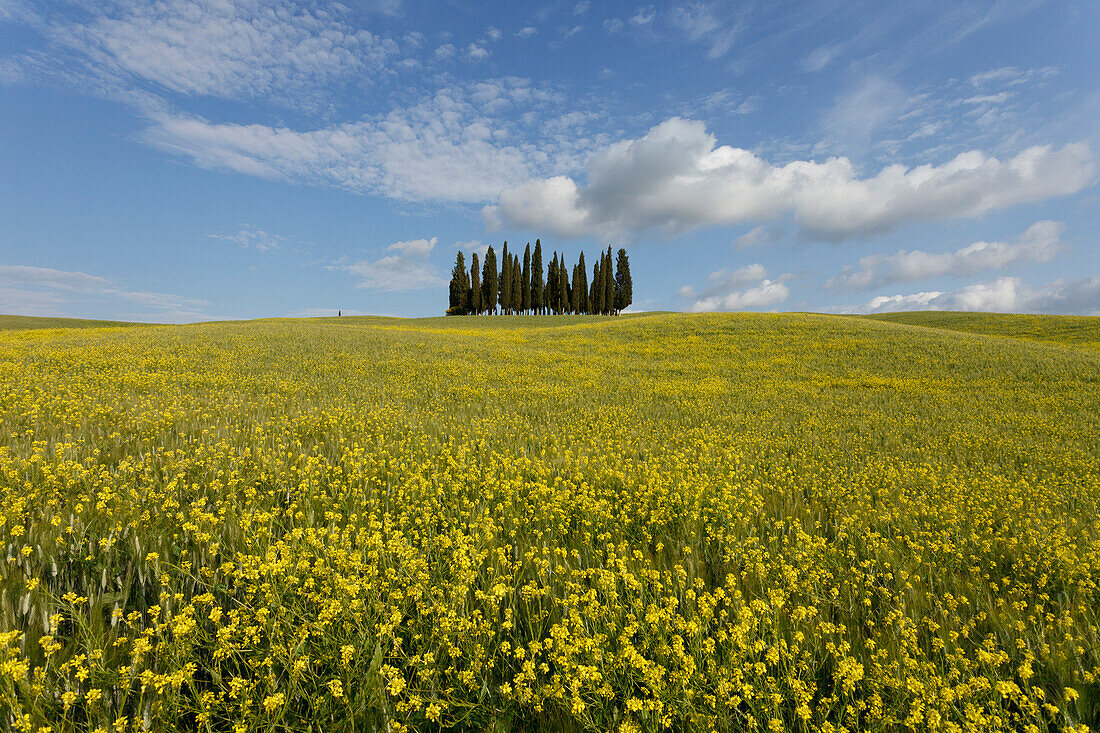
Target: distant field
29,322
664,521
1074,330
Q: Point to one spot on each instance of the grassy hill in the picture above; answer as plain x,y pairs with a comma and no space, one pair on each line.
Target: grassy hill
8,323
1070,330
788,521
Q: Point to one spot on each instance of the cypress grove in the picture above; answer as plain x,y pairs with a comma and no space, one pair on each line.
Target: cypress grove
521,286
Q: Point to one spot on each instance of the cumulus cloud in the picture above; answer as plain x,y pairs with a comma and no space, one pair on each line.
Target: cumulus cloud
473,245
406,269
1003,295
47,291
1040,243
676,178
476,52
746,287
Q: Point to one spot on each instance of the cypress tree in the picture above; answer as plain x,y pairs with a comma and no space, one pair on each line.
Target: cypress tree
624,288
581,287
563,285
457,302
489,282
525,281
517,285
595,291
575,300
552,285
607,274
566,288
475,287
505,280
537,301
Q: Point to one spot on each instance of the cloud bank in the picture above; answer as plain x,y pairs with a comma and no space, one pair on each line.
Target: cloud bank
1040,243
46,291
461,144
249,49
741,289
676,178
1003,295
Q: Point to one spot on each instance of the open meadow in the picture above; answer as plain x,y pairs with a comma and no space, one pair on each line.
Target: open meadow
659,521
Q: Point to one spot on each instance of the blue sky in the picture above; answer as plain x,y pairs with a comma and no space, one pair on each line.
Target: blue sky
180,161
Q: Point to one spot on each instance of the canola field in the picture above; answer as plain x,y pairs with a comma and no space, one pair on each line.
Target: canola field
742,522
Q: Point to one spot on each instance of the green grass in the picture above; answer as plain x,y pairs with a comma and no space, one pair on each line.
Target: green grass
1068,330
12,323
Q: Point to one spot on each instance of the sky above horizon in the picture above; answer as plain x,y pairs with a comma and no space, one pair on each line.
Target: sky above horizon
180,161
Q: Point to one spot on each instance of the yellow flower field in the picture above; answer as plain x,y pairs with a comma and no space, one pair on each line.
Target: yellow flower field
731,522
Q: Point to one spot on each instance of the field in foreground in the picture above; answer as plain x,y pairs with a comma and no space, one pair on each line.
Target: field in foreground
742,522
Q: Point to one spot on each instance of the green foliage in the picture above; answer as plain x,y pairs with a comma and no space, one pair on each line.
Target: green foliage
525,284
538,303
459,288
505,280
475,299
595,295
489,281
517,285
624,286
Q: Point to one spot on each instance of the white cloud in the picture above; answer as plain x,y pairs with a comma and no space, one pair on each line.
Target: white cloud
700,23
676,178
853,122
20,302
916,301
1040,243
613,25
746,287
46,291
821,57
462,144
476,52
445,51
1003,295
1011,76
758,236
9,10
474,245
406,269
644,16
50,279
527,31
248,49
581,8
249,237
